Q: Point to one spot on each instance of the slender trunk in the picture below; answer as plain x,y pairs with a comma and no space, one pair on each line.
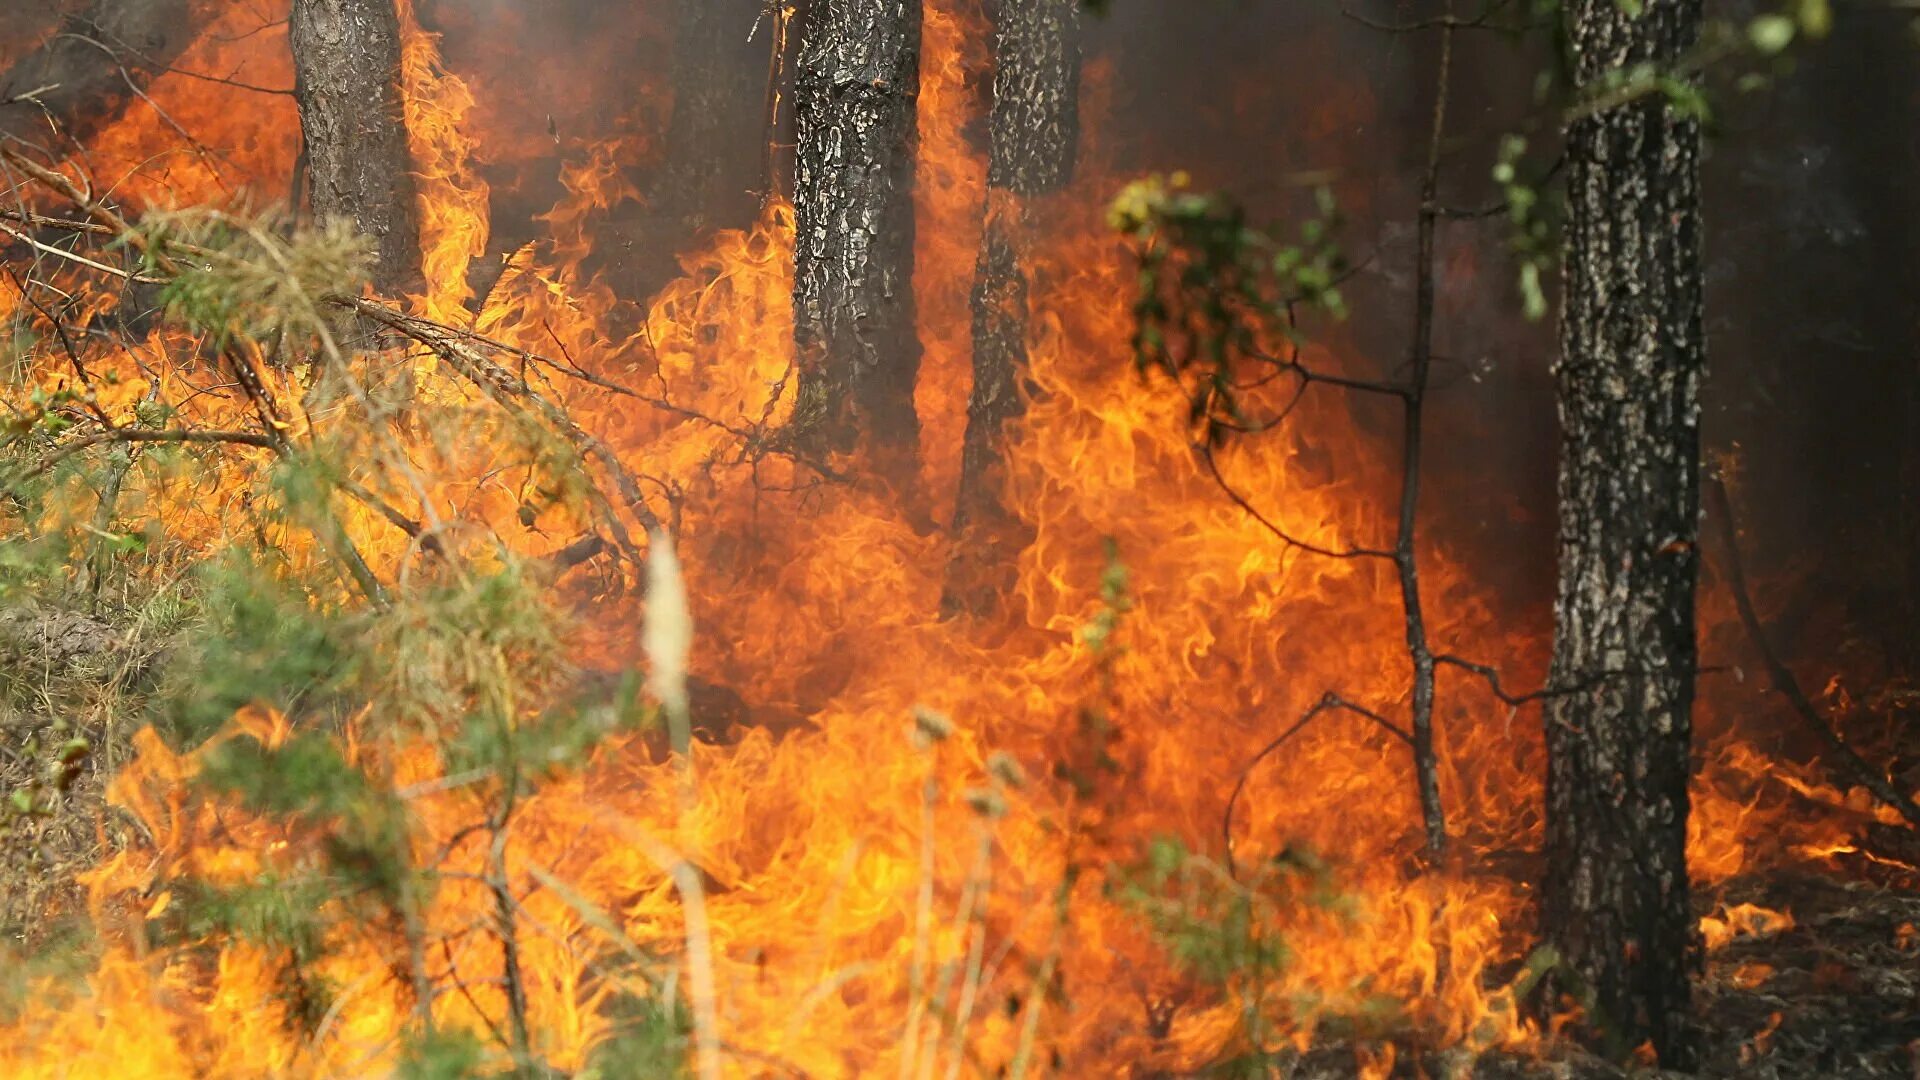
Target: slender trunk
1033,135
715,139
347,67
91,69
1406,548
715,148
855,93
1614,899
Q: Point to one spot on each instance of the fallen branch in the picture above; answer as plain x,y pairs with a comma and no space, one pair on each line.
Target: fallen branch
105,215
82,260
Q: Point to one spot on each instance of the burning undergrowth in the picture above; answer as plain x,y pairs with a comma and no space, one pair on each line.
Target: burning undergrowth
405,801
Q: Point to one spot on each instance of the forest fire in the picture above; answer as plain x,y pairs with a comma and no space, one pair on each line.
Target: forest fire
1037,836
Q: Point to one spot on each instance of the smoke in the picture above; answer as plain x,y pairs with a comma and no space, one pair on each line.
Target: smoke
1812,309
1813,293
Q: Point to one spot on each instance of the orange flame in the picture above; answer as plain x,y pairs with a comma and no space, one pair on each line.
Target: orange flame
860,886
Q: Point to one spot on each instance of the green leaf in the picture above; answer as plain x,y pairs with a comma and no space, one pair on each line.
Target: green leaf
1534,297
1816,18
73,750
1771,34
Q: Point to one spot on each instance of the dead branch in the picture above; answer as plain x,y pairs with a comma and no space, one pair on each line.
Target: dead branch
1846,760
1405,555
512,393
1329,702
142,435
503,387
1207,456
51,178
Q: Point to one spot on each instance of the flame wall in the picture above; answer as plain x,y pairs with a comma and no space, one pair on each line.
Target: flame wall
847,868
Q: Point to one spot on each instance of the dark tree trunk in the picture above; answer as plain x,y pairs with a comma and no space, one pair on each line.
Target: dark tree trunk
715,146
855,93
85,75
1033,134
1036,95
347,68
716,138
1614,899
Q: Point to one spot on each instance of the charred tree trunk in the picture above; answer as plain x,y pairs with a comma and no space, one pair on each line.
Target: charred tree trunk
89,71
1033,134
347,69
855,94
1633,354
715,147
716,137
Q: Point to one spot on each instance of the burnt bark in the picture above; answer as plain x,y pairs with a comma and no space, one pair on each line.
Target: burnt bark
1000,291
716,136
715,148
1035,122
347,69
87,73
855,92
1633,354
1033,136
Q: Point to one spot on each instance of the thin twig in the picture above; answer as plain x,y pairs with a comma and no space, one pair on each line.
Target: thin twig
1861,771
1405,552
1206,452
143,435
82,260
1327,703
1448,21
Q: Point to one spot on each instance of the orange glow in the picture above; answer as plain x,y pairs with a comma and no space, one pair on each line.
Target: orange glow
1743,920
452,199
857,893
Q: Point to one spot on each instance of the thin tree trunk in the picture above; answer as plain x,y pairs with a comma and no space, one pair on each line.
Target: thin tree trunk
855,93
1633,354
715,148
87,73
347,68
1033,134
716,137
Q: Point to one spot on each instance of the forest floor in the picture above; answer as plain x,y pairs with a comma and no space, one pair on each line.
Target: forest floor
62,675
1833,996
1835,993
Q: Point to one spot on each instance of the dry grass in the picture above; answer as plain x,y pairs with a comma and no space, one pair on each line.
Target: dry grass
66,675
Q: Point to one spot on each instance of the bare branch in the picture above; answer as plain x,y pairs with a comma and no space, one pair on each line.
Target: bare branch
1328,703
1858,769
143,435
1206,452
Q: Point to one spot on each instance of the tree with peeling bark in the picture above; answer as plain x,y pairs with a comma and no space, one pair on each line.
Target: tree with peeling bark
1633,354
347,77
856,88
1033,134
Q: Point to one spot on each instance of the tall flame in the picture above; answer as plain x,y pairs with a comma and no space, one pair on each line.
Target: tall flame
874,893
